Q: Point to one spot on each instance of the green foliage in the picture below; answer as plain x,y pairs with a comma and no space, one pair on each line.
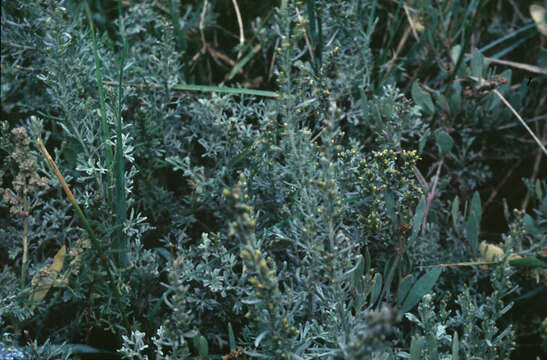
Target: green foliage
205,218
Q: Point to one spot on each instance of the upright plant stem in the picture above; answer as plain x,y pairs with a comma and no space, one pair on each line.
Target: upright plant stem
106,131
94,241
25,248
120,200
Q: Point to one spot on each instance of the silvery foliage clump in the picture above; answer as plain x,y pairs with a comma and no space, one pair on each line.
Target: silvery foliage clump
277,225
62,73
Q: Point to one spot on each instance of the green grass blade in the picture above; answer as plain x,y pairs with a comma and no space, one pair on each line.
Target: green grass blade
467,37
226,90
315,32
507,50
371,21
181,41
394,30
242,63
246,59
506,37
99,75
94,240
119,190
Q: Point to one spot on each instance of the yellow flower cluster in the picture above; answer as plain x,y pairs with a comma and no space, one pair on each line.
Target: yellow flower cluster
387,169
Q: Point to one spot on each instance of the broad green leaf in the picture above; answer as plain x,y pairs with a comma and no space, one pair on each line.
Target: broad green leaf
203,347
423,140
441,101
455,53
472,226
420,288
455,347
231,337
528,263
456,98
444,142
476,204
417,221
455,210
367,260
359,271
531,227
195,340
389,273
422,98
404,288
416,346
472,232
377,287
477,64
